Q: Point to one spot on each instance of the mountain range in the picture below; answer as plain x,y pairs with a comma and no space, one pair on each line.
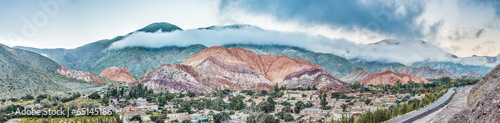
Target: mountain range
236,68
351,64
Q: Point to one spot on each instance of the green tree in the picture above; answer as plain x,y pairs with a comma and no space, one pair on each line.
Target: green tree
288,117
136,118
287,109
237,103
95,95
299,106
344,106
28,97
280,115
367,102
323,102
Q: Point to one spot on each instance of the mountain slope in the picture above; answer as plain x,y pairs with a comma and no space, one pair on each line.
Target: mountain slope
117,74
248,69
391,78
357,75
455,68
95,57
24,72
80,75
336,65
176,78
483,101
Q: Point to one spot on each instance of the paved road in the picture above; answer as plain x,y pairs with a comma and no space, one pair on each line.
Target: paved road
442,100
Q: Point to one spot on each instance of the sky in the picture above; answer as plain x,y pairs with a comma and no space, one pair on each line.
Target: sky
461,27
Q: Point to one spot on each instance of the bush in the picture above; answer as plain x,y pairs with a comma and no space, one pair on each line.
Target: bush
14,99
95,95
288,117
136,118
28,97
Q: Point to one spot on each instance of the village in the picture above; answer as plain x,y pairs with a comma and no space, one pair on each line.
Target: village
139,104
350,104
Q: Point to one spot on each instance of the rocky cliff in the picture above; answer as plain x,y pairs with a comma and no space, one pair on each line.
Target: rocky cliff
390,78
483,101
117,74
80,75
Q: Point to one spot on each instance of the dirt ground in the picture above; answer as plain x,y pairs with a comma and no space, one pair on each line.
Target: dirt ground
457,104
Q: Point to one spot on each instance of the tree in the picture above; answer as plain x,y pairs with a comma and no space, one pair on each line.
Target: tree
269,119
367,102
323,102
398,82
280,115
237,103
276,87
285,103
95,95
263,93
28,97
186,121
287,109
265,106
191,94
105,101
185,107
298,106
308,105
136,118
344,106
288,117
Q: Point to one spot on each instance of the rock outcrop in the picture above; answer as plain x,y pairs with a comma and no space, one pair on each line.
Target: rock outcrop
390,78
245,68
483,101
117,74
175,78
80,75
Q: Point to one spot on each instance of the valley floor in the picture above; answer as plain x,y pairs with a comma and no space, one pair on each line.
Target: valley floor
457,104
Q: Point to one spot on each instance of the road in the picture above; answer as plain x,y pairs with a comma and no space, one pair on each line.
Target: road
442,100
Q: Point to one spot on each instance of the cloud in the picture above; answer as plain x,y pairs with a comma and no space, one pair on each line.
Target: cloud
393,19
400,51
493,3
229,36
466,33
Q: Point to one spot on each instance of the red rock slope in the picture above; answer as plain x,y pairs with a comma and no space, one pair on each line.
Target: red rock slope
390,78
80,75
247,69
117,74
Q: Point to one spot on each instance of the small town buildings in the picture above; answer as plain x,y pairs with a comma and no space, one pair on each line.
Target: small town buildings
378,104
313,112
178,117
